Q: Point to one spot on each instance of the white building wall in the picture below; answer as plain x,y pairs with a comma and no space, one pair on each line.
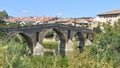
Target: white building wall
103,19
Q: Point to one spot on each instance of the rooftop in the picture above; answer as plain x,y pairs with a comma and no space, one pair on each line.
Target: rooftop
111,12
42,18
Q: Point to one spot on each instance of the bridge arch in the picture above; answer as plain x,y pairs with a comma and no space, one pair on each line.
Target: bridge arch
31,33
62,37
81,39
27,38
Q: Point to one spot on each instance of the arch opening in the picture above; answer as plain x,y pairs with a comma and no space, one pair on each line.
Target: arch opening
22,39
61,36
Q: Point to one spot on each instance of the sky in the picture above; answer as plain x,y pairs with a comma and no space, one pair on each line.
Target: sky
60,8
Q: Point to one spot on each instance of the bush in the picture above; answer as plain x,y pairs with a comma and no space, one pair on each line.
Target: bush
51,45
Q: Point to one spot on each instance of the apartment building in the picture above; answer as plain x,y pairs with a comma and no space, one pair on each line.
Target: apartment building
111,16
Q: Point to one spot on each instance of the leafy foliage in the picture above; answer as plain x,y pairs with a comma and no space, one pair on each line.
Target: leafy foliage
3,14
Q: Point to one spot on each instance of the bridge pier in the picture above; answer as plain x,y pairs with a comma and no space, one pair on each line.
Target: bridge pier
38,49
69,47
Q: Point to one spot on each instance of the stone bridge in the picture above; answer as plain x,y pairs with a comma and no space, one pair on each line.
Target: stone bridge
35,34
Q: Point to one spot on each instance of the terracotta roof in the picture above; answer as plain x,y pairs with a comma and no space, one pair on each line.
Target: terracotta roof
111,12
90,20
45,19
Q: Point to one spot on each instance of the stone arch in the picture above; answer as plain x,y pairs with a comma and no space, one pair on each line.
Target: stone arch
63,40
62,37
42,35
90,36
27,38
81,39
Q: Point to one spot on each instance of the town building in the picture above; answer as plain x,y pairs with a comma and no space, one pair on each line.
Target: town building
110,16
84,22
30,20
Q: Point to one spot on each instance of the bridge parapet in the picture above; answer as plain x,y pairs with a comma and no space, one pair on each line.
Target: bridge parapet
48,26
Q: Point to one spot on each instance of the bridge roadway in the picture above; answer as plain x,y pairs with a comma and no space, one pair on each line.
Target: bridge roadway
35,33
48,26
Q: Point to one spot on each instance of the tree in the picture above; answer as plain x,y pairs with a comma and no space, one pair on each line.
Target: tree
2,23
111,35
3,14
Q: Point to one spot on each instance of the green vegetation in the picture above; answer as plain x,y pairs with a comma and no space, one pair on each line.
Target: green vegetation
12,56
51,45
2,23
3,14
103,53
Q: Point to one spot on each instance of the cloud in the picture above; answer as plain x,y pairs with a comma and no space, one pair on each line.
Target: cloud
59,13
24,11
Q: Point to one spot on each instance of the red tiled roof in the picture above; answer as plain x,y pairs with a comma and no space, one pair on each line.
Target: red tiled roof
90,20
45,19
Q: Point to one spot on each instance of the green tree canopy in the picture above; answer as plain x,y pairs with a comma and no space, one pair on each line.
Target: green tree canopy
3,14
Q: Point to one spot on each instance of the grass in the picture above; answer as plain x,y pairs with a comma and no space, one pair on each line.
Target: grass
12,56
